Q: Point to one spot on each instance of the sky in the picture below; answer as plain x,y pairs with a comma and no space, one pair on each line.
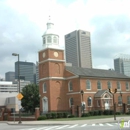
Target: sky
23,22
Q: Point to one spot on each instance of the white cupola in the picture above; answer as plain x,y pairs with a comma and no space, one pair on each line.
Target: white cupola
50,37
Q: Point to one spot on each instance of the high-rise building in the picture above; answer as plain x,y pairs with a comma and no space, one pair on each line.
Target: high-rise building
27,71
122,64
78,49
10,76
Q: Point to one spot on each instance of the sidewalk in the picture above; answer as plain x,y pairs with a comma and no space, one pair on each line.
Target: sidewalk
47,122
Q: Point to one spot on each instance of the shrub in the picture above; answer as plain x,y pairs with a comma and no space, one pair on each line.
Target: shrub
118,113
71,116
100,112
111,112
42,118
53,115
85,115
48,115
106,112
59,115
65,114
91,113
95,113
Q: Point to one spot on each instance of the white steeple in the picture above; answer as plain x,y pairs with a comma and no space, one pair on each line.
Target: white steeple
50,37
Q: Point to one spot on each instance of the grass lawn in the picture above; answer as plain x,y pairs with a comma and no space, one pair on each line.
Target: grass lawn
86,118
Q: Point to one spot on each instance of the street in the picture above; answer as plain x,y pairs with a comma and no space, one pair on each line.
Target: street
98,126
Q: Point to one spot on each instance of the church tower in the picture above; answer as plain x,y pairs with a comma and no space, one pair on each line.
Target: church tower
51,70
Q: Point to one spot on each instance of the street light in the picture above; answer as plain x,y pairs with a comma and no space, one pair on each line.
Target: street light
15,54
121,101
83,105
113,92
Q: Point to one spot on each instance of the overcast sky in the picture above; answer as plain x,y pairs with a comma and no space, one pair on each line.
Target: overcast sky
23,22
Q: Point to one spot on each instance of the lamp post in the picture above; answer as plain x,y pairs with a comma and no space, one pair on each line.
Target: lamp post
82,92
15,54
121,102
113,92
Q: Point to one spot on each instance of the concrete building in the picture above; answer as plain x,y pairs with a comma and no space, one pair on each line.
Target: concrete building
10,76
27,71
62,87
78,49
122,64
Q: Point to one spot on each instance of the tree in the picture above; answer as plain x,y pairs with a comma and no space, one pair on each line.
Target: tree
30,98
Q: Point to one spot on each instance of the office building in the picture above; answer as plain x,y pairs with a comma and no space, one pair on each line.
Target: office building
9,76
37,73
27,71
78,49
122,64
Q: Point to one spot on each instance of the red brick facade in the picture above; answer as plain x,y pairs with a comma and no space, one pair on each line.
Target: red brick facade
56,96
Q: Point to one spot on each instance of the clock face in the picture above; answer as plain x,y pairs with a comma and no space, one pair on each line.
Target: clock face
56,54
44,54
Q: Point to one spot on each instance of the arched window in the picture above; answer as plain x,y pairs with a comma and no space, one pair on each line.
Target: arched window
70,85
48,39
118,85
119,100
89,100
71,102
54,39
44,88
44,40
99,85
109,85
128,100
88,85
127,86
57,68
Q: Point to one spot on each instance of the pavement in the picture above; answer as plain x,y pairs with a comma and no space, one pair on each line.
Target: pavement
50,122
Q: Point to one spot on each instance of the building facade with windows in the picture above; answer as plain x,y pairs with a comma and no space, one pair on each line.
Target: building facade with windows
122,64
10,76
62,86
78,49
27,71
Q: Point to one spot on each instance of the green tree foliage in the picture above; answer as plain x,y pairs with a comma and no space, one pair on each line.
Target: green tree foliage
30,98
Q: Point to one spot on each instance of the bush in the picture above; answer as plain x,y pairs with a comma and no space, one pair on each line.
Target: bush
42,118
100,112
53,115
59,115
48,115
128,113
111,112
91,113
71,116
118,113
85,115
106,112
65,114
95,113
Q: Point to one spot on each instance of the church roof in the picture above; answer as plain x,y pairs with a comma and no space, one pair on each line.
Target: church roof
99,93
87,72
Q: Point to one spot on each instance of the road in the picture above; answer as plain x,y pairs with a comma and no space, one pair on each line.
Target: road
98,126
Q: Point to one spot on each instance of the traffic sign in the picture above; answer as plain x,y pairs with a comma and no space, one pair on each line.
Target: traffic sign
19,96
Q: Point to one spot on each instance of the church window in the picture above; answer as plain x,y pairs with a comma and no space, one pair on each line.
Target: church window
127,86
99,85
70,85
128,100
109,85
44,40
44,88
118,85
88,84
71,102
119,100
89,101
48,39
54,39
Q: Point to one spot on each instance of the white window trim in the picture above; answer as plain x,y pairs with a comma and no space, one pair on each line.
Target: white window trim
44,89
101,85
69,86
90,85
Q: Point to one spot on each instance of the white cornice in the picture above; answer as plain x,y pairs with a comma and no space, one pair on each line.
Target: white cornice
58,78
51,48
51,60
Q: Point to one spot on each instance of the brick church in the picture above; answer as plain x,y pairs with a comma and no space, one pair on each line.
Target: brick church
62,86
